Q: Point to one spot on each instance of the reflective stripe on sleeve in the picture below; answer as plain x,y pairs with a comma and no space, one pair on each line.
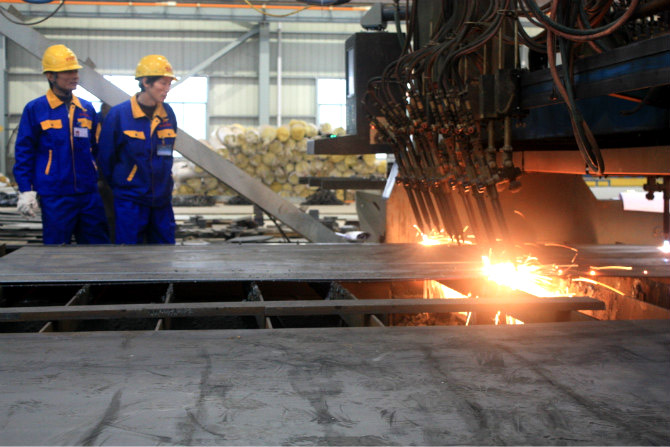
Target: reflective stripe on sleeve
48,168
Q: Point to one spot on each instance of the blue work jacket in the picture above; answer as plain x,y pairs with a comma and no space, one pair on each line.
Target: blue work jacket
55,147
135,153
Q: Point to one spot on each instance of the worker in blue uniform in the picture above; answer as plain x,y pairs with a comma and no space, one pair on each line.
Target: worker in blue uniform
55,154
136,144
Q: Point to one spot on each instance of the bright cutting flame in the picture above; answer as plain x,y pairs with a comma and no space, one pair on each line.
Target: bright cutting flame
508,319
440,238
435,289
526,275
665,248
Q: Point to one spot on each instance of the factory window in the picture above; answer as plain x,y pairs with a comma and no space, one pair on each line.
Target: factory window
331,102
81,92
188,100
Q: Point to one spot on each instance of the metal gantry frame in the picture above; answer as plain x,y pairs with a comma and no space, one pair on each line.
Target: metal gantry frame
218,55
313,230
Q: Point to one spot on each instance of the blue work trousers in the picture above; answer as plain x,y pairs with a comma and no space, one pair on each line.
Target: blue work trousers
140,224
79,215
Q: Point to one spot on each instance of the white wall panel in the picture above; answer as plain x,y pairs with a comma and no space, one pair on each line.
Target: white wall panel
19,60
297,99
235,97
25,88
320,55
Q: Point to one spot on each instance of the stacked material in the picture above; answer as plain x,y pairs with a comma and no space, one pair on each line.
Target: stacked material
4,181
277,156
8,194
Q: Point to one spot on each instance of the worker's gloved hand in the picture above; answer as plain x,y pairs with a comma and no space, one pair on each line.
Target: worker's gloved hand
27,204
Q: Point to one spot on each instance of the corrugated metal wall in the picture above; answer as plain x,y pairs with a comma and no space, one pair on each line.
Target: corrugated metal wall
309,52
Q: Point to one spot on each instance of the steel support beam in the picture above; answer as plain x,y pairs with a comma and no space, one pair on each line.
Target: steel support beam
192,12
251,188
297,307
264,74
218,55
344,182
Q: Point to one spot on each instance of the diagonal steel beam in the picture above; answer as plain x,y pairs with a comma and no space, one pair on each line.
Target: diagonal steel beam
253,189
35,44
222,52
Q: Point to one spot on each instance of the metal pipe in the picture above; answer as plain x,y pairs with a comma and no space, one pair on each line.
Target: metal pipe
484,216
516,44
279,74
500,47
472,219
507,143
415,209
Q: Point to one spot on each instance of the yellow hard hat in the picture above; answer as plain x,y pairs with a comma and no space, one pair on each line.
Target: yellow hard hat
59,58
154,65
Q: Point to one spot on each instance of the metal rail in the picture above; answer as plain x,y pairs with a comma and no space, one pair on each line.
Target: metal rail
297,307
344,182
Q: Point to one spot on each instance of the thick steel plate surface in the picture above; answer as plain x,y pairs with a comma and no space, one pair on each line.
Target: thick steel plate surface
610,260
307,262
587,383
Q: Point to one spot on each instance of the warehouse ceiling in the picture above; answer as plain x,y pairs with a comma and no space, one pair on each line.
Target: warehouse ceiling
250,11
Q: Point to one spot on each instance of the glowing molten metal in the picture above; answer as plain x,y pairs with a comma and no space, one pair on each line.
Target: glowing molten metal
527,276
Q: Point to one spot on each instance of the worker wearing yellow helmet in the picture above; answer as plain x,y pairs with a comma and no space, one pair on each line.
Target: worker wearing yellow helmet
136,145
55,157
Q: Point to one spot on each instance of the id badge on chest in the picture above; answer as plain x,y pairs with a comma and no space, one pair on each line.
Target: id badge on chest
80,132
164,150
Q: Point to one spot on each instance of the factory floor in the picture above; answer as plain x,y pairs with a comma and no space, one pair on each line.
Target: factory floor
586,383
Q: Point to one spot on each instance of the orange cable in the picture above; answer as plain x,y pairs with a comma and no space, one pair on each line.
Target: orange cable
627,98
